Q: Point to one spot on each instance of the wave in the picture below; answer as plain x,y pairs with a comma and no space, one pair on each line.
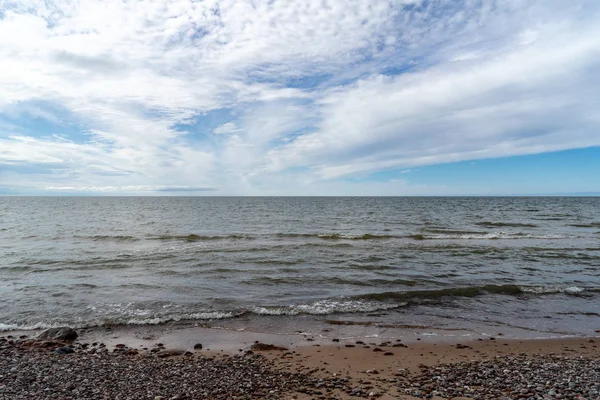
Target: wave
130,320
334,280
554,289
427,233
472,291
365,303
589,225
449,231
487,236
337,236
490,224
325,307
114,238
196,238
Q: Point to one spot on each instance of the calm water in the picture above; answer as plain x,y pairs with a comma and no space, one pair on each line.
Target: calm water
531,263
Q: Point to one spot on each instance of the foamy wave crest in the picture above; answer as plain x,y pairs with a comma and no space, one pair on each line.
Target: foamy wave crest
489,236
28,327
211,315
324,307
366,236
336,236
552,289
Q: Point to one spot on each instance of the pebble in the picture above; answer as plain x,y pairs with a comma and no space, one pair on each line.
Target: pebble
34,373
529,377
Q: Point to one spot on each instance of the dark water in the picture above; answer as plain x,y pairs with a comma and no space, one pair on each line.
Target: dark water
531,263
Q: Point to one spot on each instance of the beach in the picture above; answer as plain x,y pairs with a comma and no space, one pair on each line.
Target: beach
281,298
118,366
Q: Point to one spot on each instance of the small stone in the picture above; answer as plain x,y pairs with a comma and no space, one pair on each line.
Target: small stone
198,346
265,347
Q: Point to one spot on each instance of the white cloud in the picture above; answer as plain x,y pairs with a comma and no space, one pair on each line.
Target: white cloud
526,101
226,128
129,189
327,88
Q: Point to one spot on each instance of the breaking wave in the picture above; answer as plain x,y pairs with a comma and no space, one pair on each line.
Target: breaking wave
490,224
487,236
364,303
197,238
472,291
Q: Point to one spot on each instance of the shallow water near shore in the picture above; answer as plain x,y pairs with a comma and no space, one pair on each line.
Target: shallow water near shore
528,267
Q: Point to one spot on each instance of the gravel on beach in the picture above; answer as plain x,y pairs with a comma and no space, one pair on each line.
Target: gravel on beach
41,369
523,376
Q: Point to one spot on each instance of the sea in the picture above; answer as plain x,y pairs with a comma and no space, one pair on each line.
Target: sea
526,265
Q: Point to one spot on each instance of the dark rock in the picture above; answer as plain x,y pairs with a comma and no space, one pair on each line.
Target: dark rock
170,353
265,347
198,346
64,334
377,349
64,350
335,340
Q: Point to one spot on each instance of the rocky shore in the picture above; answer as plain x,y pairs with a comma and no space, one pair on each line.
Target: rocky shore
55,366
41,369
509,377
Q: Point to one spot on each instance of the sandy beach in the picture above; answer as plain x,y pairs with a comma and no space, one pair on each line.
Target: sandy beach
113,364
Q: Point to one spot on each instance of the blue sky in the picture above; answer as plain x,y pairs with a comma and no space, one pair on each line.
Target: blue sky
303,97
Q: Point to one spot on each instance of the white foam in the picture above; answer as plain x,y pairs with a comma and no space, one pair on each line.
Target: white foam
497,235
208,315
325,307
28,327
552,289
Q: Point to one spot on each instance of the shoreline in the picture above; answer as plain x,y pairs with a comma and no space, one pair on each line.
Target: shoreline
230,339
231,336
389,367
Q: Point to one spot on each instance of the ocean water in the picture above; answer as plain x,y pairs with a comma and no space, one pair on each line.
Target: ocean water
532,264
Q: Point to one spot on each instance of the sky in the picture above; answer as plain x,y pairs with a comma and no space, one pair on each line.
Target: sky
299,97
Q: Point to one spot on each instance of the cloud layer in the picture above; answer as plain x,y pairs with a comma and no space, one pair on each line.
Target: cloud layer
274,97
